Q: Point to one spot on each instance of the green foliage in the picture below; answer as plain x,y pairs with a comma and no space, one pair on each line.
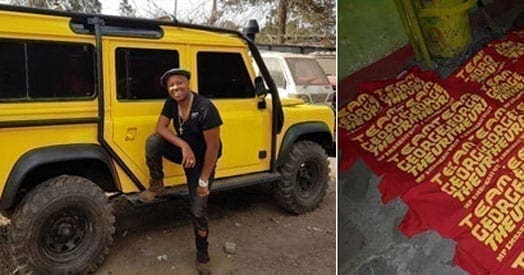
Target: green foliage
30,3
309,22
125,9
85,6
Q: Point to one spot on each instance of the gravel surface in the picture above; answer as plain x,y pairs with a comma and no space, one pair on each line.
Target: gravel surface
158,239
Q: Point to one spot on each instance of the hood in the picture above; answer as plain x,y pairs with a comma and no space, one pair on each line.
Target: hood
291,101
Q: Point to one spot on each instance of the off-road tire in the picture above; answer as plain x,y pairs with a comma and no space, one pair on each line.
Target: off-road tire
62,226
289,193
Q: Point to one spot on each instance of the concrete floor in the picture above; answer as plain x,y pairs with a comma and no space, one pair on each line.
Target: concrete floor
368,239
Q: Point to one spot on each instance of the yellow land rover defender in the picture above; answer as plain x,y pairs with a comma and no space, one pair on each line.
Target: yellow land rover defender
79,95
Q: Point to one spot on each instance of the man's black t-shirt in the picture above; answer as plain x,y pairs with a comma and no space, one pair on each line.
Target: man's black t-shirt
203,116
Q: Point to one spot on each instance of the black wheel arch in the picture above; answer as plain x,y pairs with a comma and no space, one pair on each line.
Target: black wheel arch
316,131
37,165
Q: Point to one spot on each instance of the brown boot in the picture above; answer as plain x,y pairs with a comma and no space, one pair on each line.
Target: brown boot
156,188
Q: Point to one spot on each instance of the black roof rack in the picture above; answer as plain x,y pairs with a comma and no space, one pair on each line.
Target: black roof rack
83,25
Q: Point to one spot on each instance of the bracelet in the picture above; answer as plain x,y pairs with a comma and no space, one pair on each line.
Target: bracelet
202,183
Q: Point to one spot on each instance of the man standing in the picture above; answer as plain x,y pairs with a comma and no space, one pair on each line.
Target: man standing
195,145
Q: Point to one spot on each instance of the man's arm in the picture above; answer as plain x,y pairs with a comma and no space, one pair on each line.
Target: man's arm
212,138
188,157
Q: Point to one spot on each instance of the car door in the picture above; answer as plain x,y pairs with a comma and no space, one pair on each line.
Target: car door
134,99
223,76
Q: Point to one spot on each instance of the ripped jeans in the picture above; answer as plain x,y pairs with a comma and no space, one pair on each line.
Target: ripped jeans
156,148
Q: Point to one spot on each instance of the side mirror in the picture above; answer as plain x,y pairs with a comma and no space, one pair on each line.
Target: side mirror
260,88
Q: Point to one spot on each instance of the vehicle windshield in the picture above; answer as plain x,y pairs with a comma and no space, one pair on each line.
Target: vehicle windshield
307,71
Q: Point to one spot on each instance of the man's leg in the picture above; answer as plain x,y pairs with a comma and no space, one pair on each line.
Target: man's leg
156,148
199,212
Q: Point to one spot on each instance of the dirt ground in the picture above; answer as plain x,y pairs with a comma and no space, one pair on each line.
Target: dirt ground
158,239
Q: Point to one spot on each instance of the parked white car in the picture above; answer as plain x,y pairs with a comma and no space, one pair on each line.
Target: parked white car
328,62
298,75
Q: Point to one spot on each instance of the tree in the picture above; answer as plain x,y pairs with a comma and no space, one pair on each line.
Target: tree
125,9
155,11
282,20
85,6
292,21
30,3
214,14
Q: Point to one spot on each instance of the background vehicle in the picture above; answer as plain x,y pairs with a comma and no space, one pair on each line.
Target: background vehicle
79,95
300,76
328,62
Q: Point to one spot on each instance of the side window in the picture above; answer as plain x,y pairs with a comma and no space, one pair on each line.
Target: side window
223,75
42,71
138,72
12,70
307,71
275,70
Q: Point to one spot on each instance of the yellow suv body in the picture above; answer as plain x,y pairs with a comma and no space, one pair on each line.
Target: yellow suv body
79,95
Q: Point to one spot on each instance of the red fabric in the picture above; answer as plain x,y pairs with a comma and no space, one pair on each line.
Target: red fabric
484,225
380,99
453,150
495,72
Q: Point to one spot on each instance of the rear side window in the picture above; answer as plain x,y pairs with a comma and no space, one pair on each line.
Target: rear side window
139,71
223,75
35,70
307,71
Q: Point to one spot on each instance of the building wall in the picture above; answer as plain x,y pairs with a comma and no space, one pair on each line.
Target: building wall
367,31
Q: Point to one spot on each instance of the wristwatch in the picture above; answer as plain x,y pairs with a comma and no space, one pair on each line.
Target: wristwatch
202,183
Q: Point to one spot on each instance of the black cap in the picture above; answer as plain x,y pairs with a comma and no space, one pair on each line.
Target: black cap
173,71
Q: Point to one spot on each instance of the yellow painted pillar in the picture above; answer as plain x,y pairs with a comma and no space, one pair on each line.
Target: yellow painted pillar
412,27
445,25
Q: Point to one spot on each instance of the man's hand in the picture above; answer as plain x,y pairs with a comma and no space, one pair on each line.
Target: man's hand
202,191
188,157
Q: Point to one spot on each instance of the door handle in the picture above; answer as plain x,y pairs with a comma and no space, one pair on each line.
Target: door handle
130,134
